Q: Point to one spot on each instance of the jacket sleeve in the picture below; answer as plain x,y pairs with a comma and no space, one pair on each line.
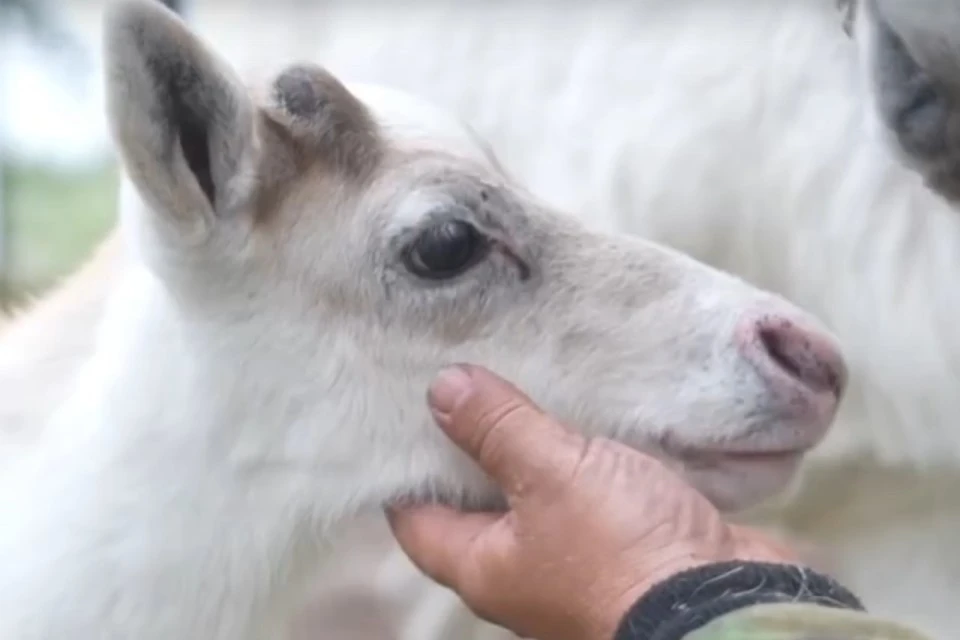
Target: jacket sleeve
801,622
754,601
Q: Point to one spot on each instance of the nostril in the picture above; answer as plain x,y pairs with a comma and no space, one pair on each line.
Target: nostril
779,351
804,355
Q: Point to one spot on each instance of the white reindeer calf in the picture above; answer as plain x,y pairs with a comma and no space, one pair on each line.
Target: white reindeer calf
300,265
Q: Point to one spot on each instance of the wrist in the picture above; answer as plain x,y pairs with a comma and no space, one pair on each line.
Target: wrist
620,596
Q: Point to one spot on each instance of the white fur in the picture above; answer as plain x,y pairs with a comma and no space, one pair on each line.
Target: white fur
738,131
256,375
742,133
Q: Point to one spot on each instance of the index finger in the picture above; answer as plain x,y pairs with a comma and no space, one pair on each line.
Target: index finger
513,441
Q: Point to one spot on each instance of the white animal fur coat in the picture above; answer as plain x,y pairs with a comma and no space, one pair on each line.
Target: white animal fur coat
743,137
297,260
742,133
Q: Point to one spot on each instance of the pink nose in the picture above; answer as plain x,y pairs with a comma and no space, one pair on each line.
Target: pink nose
788,354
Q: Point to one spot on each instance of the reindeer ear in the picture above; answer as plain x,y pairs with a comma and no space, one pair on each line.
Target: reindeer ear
912,49
185,126
325,120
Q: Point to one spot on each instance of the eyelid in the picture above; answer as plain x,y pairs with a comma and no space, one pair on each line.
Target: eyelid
456,213
504,249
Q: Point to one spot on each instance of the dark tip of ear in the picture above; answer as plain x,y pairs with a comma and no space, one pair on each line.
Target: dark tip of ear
911,102
301,92
322,116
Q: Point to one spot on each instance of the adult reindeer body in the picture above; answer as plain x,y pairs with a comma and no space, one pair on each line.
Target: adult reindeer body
295,263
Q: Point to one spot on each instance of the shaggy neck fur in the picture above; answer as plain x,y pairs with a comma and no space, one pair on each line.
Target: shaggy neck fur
219,531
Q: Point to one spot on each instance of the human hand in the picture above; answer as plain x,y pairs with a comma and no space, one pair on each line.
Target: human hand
592,525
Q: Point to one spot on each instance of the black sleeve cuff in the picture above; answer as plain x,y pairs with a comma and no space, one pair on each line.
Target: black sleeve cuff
691,599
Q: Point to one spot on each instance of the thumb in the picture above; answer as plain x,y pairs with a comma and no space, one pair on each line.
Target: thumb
439,540
513,441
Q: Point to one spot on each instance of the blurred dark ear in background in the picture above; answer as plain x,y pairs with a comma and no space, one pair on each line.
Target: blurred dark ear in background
56,204
914,64
176,5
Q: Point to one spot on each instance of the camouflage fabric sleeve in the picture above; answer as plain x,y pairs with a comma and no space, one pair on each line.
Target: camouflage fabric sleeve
753,601
801,622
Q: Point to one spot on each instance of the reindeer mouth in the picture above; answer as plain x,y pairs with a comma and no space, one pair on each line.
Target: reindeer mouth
737,474
712,457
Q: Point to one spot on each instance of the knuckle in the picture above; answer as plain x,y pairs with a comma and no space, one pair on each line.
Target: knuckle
594,462
500,412
570,477
474,583
493,426
596,473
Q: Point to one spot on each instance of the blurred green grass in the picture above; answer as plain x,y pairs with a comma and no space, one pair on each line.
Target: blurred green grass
55,217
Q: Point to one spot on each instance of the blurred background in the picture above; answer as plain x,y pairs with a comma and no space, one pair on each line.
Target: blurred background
58,176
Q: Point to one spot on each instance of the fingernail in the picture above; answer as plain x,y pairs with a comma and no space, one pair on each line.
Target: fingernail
450,385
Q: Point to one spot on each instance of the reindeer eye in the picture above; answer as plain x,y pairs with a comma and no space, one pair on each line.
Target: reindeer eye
445,250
